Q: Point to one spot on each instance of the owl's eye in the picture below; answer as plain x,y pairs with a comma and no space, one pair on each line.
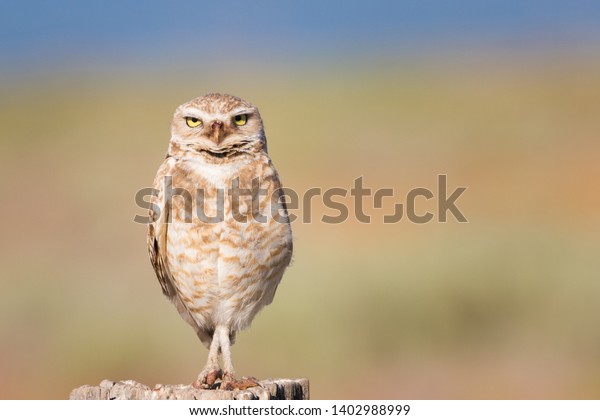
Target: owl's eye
193,121
240,119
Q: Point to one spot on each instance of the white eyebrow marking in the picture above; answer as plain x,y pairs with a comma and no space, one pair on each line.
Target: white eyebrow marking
207,117
242,110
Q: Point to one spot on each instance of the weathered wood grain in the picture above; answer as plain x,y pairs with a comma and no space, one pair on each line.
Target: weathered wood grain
269,389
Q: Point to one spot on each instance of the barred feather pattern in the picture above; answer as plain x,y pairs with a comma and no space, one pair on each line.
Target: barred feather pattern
221,259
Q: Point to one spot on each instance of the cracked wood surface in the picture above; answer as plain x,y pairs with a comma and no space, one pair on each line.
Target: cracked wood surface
269,389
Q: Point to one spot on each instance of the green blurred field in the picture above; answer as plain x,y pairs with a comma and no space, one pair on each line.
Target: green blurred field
505,306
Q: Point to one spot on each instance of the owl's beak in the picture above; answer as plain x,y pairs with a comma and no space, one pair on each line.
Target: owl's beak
217,132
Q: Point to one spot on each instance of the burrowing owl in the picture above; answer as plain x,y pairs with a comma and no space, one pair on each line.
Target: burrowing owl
220,260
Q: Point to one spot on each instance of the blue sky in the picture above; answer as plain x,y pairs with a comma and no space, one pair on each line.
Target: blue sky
40,32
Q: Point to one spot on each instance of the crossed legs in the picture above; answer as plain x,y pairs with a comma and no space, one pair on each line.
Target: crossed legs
220,345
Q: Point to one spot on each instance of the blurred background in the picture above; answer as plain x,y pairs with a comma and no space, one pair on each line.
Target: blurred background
502,96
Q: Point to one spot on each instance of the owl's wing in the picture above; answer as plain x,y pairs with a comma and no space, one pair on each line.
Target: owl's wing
157,234
157,248
281,257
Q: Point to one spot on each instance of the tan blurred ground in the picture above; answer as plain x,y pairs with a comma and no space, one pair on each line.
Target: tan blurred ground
505,306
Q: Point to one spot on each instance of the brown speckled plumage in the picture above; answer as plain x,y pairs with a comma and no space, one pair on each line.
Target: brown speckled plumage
218,275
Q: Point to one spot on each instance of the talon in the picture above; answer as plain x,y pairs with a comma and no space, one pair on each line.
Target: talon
251,378
198,384
208,380
246,384
249,382
228,377
242,384
212,376
227,386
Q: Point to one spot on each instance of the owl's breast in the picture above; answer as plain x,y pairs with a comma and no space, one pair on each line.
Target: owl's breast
228,250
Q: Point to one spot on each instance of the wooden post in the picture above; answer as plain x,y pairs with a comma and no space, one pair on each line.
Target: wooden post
269,389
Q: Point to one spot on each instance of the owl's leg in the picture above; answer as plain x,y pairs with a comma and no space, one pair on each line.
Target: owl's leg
211,371
225,344
229,382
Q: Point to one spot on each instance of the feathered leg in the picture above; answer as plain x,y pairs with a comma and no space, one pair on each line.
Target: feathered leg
211,371
228,370
221,345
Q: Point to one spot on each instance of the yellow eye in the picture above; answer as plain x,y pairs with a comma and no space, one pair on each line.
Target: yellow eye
193,121
240,119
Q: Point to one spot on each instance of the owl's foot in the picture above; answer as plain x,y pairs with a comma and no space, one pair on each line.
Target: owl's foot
229,383
208,378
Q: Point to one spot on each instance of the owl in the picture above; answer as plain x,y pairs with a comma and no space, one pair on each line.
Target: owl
219,237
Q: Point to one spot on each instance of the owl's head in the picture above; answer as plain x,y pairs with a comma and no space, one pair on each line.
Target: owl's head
219,124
